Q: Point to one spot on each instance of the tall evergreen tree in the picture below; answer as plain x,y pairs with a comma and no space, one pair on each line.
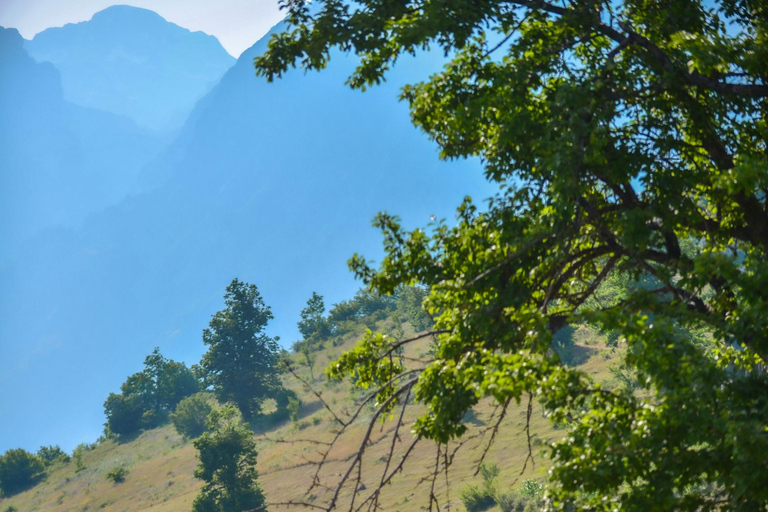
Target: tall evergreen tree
242,360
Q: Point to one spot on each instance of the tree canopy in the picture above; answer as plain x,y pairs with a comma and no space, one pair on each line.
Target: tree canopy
227,465
628,141
147,397
19,470
242,360
312,321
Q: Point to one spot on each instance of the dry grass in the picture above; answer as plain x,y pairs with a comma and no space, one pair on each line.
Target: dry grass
160,463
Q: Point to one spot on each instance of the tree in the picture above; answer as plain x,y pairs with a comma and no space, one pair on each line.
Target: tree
242,360
227,465
52,454
19,470
312,321
147,397
628,140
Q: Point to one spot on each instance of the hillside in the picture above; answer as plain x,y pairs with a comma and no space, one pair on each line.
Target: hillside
160,463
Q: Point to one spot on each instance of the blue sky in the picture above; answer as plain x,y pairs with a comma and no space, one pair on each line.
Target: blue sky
236,23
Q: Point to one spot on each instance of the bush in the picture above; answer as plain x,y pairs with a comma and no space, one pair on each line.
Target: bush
481,498
190,415
51,454
77,454
19,470
532,489
476,498
117,475
511,502
293,409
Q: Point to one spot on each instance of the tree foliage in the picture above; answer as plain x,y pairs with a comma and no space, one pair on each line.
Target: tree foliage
242,360
191,415
227,465
52,454
147,397
628,141
19,470
312,321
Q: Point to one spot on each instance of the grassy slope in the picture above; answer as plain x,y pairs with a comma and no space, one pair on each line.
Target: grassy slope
161,463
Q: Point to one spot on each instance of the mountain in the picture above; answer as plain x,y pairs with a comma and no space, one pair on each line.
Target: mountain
273,183
60,162
132,62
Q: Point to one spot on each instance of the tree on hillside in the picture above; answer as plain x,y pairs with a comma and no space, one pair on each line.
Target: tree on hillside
242,360
51,454
147,397
628,140
19,470
227,465
312,321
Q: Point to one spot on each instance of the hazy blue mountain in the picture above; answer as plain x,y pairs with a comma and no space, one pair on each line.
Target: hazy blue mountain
130,61
58,161
273,183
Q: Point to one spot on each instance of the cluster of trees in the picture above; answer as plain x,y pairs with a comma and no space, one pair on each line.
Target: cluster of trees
20,469
241,370
240,366
404,304
147,398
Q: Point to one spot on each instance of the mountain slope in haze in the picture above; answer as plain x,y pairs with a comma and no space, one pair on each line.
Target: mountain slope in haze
59,161
132,62
275,184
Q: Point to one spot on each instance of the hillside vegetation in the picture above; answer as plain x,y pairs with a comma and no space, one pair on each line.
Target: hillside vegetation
158,464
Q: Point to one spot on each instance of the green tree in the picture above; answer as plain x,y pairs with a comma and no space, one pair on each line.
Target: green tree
242,360
310,358
51,454
191,415
168,382
312,321
19,470
147,397
227,465
620,134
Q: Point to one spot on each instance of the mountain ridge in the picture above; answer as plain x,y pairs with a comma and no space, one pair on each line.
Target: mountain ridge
131,61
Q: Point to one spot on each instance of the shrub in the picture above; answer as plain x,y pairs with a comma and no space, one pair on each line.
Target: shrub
509,502
293,409
77,454
117,475
476,498
19,470
532,489
190,416
51,454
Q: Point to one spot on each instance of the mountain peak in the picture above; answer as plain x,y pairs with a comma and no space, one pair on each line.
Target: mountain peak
131,61
125,11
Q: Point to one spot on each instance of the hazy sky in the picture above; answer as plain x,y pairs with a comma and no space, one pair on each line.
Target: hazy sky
236,23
